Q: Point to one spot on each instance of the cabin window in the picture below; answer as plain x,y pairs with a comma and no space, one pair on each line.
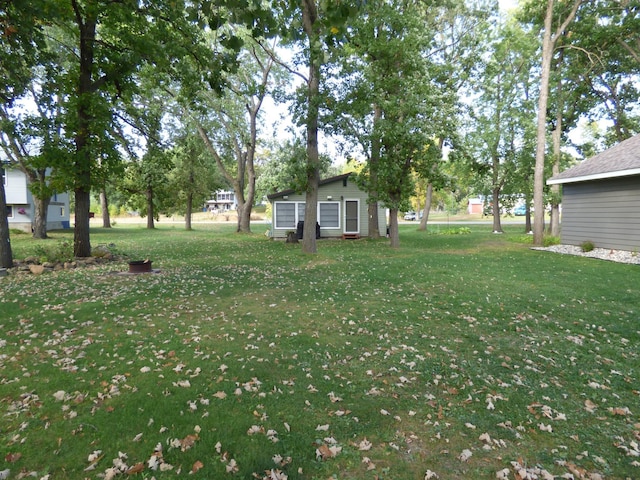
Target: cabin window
288,214
329,214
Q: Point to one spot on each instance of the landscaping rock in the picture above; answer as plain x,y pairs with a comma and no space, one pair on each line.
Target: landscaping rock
620,256
36,269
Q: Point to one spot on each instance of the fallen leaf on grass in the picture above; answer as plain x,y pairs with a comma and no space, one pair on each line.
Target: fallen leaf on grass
187,442
324,451
622,411
589,406
370,465
137,468
59,395
503,474
232,466
197,466
465,455
12,457
364,445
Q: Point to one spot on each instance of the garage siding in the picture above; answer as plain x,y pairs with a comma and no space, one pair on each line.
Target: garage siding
605,212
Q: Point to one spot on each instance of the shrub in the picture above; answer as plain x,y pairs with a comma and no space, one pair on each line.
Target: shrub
587,246
551,240
61,252
456,231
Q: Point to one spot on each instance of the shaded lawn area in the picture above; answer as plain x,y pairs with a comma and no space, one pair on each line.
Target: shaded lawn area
461,356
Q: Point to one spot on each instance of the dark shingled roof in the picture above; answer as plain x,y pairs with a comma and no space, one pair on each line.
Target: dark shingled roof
619,161
291,191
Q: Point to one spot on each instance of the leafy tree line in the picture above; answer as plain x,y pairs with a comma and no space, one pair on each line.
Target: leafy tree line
161,102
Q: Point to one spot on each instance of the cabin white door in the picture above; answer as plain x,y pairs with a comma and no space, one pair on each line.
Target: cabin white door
352,216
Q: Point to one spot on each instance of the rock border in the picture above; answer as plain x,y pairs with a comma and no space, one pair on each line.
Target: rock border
32,265
619,256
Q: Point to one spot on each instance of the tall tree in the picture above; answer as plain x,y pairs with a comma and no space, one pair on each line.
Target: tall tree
457,29
21,37
148,163
35,144
230,124
193,177
314,27
109,41
563,17
387,48
500,111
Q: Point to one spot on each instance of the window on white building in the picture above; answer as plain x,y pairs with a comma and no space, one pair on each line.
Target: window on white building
329,214
288,214
9,211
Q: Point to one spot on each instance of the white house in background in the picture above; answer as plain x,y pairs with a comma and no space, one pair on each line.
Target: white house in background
223,201
20,205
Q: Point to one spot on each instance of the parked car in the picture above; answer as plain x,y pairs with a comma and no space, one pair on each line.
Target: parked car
410,216
520,210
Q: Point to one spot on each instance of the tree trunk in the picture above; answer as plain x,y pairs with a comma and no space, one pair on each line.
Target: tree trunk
374,221
41,209
555,189
497,226
548,44
394,235
310,20
527,214
104,205
82,170
81,243
427,208
243,209
189,212
150,211
6,257
245,224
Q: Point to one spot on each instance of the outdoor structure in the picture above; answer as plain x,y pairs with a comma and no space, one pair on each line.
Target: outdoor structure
600,199
224,201
20,206
475,205
342,210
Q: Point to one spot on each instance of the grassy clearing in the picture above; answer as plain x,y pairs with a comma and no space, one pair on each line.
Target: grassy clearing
456,354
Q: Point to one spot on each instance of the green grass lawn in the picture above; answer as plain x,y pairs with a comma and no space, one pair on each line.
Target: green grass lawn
455,355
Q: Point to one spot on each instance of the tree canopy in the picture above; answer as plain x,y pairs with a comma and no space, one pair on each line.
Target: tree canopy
408,88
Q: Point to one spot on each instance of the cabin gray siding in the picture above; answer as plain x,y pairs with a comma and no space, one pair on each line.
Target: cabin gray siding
605,212
334,193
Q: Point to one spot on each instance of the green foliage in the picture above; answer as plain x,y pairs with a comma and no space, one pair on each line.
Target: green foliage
587,246
62,251
456,231
550,240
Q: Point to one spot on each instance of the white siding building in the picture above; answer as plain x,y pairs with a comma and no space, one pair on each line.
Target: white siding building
20,205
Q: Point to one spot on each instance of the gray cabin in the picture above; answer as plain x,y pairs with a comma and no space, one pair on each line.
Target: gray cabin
342,210
601,199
